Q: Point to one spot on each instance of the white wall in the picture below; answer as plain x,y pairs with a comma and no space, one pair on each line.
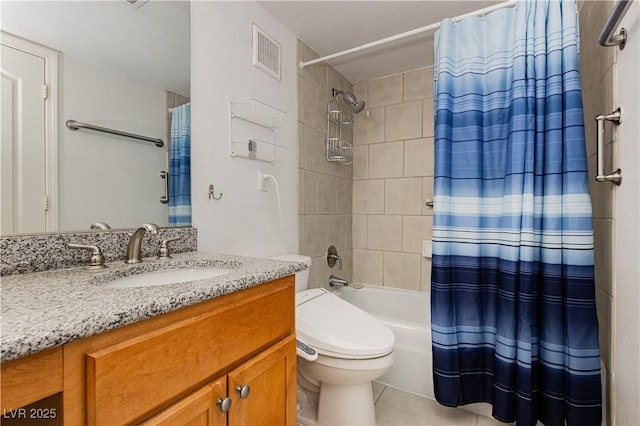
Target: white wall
245,221
105,177
627,236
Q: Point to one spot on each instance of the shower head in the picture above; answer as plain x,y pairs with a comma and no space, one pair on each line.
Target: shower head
351,100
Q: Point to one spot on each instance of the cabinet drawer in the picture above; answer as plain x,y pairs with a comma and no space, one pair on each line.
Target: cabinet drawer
130,379
26,380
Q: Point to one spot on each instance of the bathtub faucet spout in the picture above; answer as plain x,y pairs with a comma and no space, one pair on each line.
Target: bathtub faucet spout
337,281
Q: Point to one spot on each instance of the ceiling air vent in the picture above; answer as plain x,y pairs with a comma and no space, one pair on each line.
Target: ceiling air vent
266,52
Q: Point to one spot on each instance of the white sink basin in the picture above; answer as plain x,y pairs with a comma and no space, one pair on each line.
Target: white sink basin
167,277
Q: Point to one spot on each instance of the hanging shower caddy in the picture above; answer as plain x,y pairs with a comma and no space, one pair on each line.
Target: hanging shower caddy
337,149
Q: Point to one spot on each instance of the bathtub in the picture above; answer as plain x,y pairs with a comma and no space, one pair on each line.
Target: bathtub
407,314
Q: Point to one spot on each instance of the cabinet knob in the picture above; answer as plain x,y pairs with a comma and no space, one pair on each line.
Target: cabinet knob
224,404
243,391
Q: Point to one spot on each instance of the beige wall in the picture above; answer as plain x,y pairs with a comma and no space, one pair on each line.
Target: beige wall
324,189
392,176
597,69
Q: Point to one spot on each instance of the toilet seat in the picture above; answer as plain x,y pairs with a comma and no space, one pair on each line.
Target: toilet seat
338,329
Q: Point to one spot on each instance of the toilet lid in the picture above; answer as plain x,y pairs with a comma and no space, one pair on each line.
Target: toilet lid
339,329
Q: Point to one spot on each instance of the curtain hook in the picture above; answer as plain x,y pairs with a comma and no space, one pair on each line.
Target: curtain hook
212,193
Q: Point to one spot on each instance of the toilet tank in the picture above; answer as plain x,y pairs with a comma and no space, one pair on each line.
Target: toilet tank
302,277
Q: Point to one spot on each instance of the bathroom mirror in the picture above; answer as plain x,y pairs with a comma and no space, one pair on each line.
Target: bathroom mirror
122,65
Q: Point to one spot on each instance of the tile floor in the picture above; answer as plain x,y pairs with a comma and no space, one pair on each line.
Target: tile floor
398,408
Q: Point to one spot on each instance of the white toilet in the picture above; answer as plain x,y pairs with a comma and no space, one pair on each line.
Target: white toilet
353,348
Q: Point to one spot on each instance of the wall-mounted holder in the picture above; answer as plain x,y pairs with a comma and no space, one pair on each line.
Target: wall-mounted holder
616,118
253,128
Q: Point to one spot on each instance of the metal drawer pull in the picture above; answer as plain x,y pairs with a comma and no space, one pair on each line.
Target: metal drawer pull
616,118
224,404
243,391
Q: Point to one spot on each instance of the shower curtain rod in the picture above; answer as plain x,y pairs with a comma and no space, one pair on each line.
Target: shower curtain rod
406,34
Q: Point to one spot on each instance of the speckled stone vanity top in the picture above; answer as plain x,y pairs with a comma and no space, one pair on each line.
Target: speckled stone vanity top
47,309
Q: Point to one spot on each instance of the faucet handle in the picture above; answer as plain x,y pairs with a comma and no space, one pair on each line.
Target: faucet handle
97,259
163,251
333,256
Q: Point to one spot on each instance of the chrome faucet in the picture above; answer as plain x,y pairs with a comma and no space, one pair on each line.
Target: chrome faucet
134,249
337,281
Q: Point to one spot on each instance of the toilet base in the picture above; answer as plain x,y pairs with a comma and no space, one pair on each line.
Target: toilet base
346,405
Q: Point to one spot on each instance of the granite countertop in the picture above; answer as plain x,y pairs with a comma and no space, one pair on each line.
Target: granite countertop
47,309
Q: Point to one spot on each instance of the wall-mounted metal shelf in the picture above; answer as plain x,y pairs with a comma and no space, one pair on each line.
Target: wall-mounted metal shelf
253,128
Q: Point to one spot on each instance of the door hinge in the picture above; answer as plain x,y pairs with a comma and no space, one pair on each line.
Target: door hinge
45,91
46,203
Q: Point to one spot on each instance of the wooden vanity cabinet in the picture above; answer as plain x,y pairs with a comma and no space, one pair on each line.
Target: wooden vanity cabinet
270,378
171,369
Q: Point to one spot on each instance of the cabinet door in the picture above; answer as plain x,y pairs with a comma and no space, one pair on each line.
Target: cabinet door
271,377
197,409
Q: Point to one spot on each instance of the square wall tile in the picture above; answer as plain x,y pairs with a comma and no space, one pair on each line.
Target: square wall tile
309,193
369,128
604,307
603,241
326,194
361,162
308,103
301,234
361,90
367,267
403,196
427,194
322,272
344,196
386,160
314,150
403,121
384,233
418,157
300,191
337,81
416,229
368,196
385,91
402,270
425,274
428,124
418,84
315,240
359,231
336,231
300,146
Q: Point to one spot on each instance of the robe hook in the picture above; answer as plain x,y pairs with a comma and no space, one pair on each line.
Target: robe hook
212,193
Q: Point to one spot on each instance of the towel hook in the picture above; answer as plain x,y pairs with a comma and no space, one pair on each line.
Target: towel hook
212,193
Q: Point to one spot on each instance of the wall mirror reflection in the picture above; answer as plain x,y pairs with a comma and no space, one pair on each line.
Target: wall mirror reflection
120,65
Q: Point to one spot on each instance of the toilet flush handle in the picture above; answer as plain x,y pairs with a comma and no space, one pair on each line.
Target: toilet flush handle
243,391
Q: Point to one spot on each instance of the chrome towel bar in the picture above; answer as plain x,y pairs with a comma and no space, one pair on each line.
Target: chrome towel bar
75,125
616,118
607,38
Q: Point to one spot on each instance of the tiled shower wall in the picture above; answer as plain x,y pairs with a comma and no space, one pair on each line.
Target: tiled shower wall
324,189
597,70
392,177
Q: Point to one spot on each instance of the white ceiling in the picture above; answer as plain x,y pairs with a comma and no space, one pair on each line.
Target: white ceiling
150,43
331,26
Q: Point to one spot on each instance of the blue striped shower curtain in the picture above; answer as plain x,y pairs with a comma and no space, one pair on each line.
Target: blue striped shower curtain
180,166
513,309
